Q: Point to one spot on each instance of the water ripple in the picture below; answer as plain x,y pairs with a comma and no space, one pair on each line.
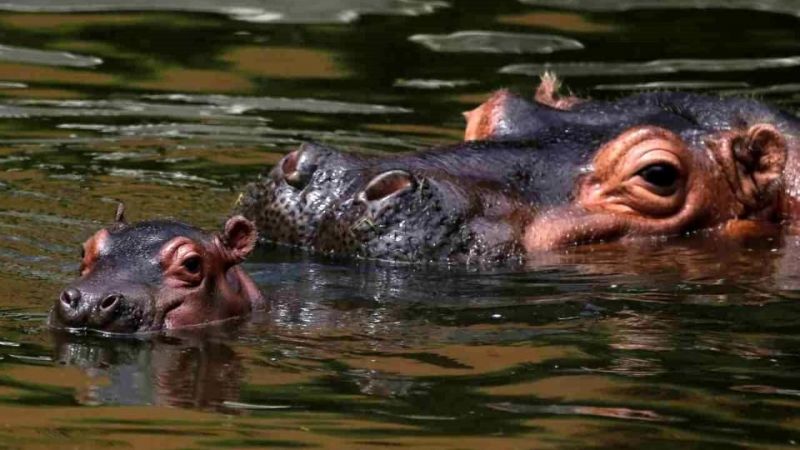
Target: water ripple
47,58
432,84
495,42
790,7
659,66
280,11
240,105
614,413
678,85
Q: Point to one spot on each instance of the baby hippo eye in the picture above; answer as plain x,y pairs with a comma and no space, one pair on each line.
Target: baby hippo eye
660,175
192,264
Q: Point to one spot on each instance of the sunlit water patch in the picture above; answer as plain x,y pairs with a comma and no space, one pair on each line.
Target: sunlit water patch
281,11
576,69
672,85
34,56
495,42
776,6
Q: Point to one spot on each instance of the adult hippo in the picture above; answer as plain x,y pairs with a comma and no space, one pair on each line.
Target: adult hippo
553,173
159,274
288,203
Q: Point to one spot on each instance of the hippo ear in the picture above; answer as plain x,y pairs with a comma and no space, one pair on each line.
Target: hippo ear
761,156
239,238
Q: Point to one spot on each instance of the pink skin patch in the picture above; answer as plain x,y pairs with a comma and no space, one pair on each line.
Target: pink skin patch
204,283
92,249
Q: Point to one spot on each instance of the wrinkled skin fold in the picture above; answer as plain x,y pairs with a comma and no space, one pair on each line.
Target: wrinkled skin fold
543,174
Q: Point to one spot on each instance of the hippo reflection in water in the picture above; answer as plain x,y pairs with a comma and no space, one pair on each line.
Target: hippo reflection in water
544,174
159,274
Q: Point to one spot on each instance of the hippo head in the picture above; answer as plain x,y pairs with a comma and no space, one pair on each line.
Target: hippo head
639,181
414,215
287,204
159,274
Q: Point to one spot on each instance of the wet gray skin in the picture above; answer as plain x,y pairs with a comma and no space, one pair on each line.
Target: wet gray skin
287,203
520,118
405,216
464,205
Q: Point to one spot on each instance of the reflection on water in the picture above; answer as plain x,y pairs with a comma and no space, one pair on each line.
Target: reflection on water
663,66
495,42
282,11
27,55
172,106
777,6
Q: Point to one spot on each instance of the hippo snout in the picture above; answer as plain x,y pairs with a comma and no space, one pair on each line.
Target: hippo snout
77,309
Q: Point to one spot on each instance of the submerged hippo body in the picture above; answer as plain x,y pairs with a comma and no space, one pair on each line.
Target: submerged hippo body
159,274
555,172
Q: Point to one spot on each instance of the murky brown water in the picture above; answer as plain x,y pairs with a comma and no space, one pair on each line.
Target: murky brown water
683,344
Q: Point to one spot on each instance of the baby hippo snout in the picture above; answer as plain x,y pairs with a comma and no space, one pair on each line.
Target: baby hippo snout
78,309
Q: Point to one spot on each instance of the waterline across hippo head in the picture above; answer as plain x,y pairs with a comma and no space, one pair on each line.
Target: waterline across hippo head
159,274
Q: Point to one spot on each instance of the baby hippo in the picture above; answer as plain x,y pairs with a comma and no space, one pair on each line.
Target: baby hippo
159,274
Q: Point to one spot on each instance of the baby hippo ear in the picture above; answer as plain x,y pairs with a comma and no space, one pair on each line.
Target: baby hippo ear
239,238
764,156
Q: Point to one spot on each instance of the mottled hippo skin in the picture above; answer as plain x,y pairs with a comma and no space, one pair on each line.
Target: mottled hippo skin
543,174
159,274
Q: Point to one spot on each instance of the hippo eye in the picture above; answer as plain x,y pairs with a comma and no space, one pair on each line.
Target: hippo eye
192,265
660,175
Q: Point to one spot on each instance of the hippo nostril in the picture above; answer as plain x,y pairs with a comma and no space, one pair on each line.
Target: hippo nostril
388,184
110,301
70,297
299,166
289,163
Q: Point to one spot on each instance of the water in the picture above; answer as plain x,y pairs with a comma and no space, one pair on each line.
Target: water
690,343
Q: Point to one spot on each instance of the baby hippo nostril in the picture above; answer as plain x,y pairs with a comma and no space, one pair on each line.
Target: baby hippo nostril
70,297
110,302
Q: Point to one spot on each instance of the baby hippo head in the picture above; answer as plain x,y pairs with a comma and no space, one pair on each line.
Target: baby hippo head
159,274
412,215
